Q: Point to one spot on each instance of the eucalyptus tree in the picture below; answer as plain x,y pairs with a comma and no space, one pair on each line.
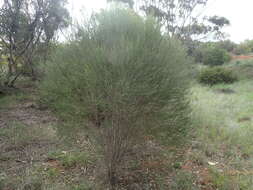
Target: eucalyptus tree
183,19
24,26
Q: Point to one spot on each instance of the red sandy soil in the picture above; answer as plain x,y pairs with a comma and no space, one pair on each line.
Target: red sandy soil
242,57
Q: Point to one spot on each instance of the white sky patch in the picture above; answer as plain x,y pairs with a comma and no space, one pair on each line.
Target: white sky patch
239,13
80,8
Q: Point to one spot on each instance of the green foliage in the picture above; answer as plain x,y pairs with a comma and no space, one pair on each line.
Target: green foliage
72,159
28,25
241,49
122,75
216,56
245,47
124,62
179,18
228,45
200,51
177,165
52,173
212,53
216,75
243,69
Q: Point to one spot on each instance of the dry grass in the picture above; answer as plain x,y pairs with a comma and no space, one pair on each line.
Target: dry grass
32,154
223,132
28,139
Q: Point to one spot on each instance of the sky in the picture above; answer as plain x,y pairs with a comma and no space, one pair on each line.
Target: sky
239,12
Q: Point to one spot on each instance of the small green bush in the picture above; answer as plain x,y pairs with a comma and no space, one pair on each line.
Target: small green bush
122,62
122,75
71,159
216,75
216,56
245,47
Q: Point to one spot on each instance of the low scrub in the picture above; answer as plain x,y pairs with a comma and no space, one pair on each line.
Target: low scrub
184,181
215,56
216,75
211,53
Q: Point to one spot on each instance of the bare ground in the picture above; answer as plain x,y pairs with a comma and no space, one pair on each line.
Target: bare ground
30,147
26,136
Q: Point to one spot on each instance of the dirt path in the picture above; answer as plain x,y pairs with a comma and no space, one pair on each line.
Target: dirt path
30,147
27,113
242,57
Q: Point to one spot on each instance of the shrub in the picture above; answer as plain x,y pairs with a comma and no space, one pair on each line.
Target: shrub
241,49
216,56
122,75
216,75
72,159
228,45
245,47
198,54
211,53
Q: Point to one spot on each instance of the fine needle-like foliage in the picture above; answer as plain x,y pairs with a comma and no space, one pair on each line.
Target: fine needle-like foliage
123,76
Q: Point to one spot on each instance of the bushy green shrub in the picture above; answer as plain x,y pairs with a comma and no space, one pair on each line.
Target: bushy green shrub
120,56
244,47
216,75
215,56
211,53
228,45
241,49
198,54
122,75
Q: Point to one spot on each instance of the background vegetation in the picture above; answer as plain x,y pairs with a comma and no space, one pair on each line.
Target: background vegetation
217,75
